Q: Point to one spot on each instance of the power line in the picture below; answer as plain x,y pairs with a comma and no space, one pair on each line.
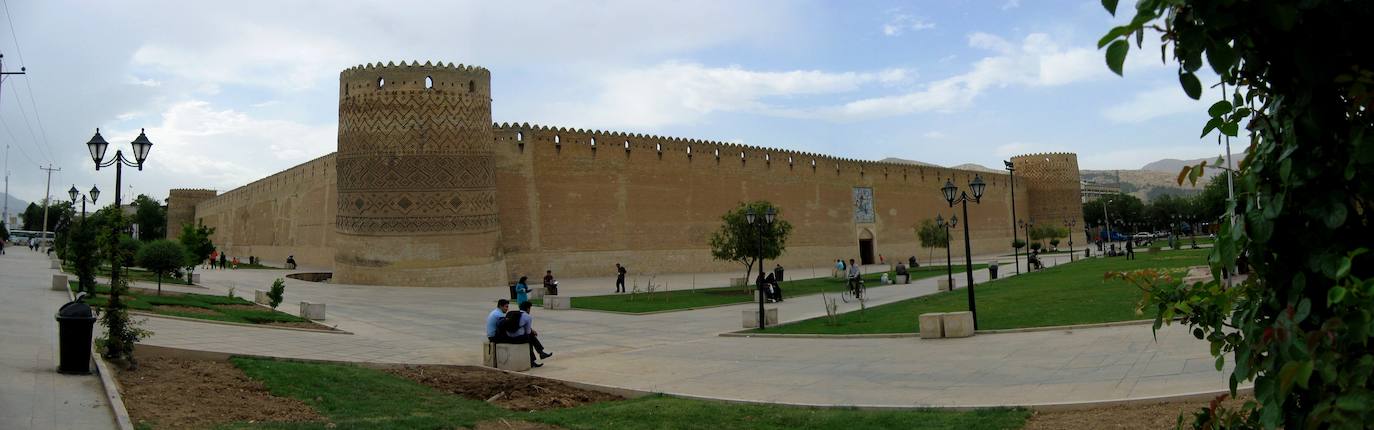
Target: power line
29,126
47,147
6,126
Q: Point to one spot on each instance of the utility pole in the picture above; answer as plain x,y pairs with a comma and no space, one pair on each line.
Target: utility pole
47,199
3,73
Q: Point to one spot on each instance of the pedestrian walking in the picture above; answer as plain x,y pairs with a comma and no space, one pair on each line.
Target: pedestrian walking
620,278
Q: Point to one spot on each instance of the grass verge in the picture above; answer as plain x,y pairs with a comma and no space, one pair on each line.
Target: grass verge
1074,293
199,306
352,397
705,297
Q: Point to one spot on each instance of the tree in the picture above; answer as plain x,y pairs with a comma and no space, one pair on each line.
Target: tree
1299,77
162,257
1040,233
196,241
1124,208
274,295
738,241
932,236
1018,243
151,218
81,250
59,216
33,217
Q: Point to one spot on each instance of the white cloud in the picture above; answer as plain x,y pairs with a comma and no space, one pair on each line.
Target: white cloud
1011,4
678,92
1037,61
933,135
899,22
225,148
1161,101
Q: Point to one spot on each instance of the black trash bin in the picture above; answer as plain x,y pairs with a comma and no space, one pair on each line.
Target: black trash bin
75,321
992,271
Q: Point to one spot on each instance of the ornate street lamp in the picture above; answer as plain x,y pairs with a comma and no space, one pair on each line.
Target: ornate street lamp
74,193
953,222
949,190
764,224
97,146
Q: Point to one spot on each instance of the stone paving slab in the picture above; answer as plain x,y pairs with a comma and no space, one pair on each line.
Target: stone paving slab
32,394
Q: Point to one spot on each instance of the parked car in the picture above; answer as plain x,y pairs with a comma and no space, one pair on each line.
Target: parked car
1142,236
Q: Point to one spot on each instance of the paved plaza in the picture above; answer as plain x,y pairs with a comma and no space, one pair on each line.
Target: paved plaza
33,394
682,352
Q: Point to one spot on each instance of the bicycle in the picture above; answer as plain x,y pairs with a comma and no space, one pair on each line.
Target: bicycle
854,290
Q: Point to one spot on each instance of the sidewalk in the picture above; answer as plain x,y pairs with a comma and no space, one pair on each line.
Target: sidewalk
35,396
682,352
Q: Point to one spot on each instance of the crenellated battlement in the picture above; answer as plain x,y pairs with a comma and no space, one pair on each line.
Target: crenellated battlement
377,78
692,149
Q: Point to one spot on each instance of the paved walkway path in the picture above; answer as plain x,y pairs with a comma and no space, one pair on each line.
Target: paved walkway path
681,352
32,394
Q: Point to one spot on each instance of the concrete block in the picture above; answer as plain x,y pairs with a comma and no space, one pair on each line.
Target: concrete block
260,297
59,282
945,285
751,317
557,302
312,311
957,324
903,279
537,293
54,264
932,325
506,356
195,278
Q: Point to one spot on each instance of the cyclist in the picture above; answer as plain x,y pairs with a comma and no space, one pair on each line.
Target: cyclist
853,276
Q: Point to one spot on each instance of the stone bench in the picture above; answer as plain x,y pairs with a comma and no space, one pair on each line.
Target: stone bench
557,302
945,285
260,297
195,279
59,283
506,356
751,317
55,264
537,293
904,279
938,325
312,311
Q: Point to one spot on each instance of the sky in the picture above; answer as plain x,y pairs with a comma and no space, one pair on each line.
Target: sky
229,92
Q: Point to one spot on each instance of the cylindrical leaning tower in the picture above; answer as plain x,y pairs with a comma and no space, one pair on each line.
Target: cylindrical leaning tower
1053,187
416,178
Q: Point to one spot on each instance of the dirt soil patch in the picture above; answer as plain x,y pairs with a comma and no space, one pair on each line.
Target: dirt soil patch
514,392
1150,416
254,308
185,309
153,292
172,393
504,424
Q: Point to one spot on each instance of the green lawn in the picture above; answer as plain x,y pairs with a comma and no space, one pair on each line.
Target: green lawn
1073,293
352,397
134,273
704,297
199,306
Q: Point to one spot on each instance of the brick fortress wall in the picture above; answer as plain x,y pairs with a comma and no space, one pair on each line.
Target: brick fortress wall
414,202
577,207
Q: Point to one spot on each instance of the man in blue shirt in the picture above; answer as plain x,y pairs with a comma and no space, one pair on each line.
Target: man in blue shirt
494,318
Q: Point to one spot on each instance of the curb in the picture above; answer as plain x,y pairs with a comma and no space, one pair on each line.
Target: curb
743,333
174,317
102,368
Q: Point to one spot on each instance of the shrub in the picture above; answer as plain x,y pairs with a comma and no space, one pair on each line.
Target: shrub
1035,246
275,294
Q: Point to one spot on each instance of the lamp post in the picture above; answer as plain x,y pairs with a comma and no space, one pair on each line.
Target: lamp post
1069,224
1015,252
953,221
73,193
97,146
763,224
1106,220
950,191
